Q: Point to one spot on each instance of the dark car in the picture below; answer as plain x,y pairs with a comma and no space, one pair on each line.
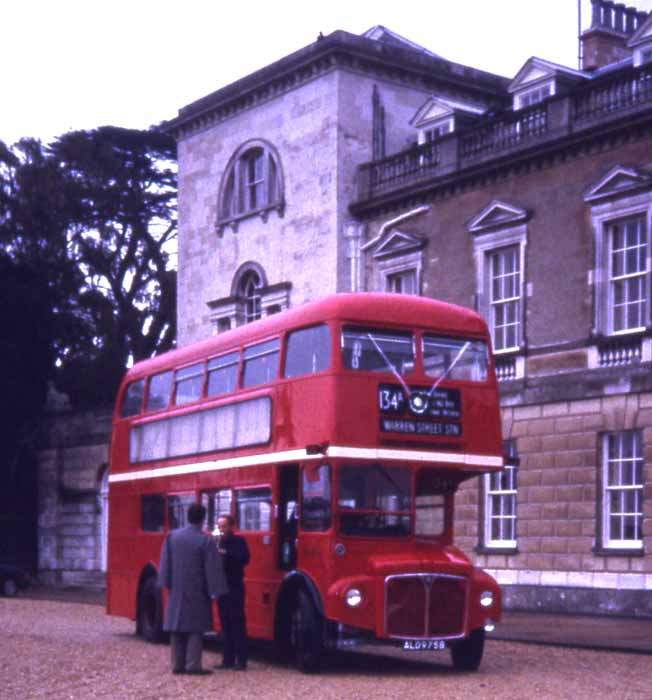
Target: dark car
12,579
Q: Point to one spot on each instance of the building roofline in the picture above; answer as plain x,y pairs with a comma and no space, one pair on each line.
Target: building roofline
321,56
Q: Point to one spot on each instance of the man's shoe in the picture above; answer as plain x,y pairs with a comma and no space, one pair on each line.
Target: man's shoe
199,672
224,666
240,667
177,671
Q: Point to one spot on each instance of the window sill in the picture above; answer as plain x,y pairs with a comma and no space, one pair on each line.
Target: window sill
602,551
495,549
262,212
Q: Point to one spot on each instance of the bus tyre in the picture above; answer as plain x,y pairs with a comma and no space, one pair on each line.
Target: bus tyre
306,633
467,653
150,612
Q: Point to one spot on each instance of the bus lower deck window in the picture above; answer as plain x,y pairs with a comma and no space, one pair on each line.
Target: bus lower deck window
254,509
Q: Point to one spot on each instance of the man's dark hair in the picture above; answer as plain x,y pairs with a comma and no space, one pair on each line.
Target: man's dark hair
228,517
196,513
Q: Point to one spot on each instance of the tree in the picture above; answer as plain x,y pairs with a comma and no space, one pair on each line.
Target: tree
93,218
121,194
37,313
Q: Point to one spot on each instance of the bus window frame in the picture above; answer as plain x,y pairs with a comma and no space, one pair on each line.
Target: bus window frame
123,395
168,494
446,534
414,333
146,410
243,349
333,510
337,510
239,365
273,507
158,533
211,492
285,336
175,380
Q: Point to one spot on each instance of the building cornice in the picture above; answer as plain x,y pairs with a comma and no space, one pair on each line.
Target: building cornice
339,49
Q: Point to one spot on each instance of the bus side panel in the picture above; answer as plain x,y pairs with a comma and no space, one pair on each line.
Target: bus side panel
261,585
305,412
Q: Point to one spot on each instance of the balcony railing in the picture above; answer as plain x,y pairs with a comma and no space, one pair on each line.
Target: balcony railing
629,89
503,133
608,98
505,368
620,352
381,175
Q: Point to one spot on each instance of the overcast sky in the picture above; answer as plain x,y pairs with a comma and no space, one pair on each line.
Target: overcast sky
79,64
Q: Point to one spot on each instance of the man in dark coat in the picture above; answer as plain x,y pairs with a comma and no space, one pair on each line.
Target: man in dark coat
191,569
235,555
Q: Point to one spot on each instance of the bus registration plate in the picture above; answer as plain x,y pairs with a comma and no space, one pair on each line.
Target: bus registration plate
423,644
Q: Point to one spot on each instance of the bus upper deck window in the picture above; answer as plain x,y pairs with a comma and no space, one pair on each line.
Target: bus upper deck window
132,399
160,386
188,384
455,358
260,363
377,351
223,374
308,351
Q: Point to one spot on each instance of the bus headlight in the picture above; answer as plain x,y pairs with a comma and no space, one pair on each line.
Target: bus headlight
486,598
489,626
353,597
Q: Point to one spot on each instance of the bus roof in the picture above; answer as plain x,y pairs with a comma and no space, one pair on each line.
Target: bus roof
367,308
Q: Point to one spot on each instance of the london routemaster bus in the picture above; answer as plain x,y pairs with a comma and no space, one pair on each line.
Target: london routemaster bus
336,434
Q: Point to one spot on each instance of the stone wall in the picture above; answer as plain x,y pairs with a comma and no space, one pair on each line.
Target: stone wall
72,498
559,564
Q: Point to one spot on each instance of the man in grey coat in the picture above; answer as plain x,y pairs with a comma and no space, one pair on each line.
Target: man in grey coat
191,569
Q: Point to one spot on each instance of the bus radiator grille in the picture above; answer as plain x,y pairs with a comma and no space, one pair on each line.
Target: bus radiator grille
425,605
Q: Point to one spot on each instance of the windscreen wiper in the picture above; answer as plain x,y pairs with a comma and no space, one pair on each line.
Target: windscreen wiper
391,367
450,367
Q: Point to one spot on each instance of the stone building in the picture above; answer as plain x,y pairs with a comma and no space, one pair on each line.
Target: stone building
539,216
369,163
267,171
73,497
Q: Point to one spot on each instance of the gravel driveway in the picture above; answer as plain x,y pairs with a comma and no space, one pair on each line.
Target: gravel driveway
69,650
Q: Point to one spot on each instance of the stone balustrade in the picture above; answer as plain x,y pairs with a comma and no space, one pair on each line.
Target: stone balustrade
606,99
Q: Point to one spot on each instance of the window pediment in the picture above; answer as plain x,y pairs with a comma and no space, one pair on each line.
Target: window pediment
495,215
437,108
536,70
618,182
642,35
397,243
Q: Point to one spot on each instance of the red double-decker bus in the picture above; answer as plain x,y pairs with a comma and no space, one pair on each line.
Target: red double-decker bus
336,434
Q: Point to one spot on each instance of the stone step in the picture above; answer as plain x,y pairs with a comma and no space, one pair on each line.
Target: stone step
85,579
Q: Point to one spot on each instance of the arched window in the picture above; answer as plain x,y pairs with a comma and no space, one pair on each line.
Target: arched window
251,297
252,184
249,290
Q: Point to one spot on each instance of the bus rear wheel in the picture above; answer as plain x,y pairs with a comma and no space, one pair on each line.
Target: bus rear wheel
306,633
150,612
467,653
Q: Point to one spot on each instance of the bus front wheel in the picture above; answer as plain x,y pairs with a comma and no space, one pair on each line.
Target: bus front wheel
306,633
150,612
467,653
